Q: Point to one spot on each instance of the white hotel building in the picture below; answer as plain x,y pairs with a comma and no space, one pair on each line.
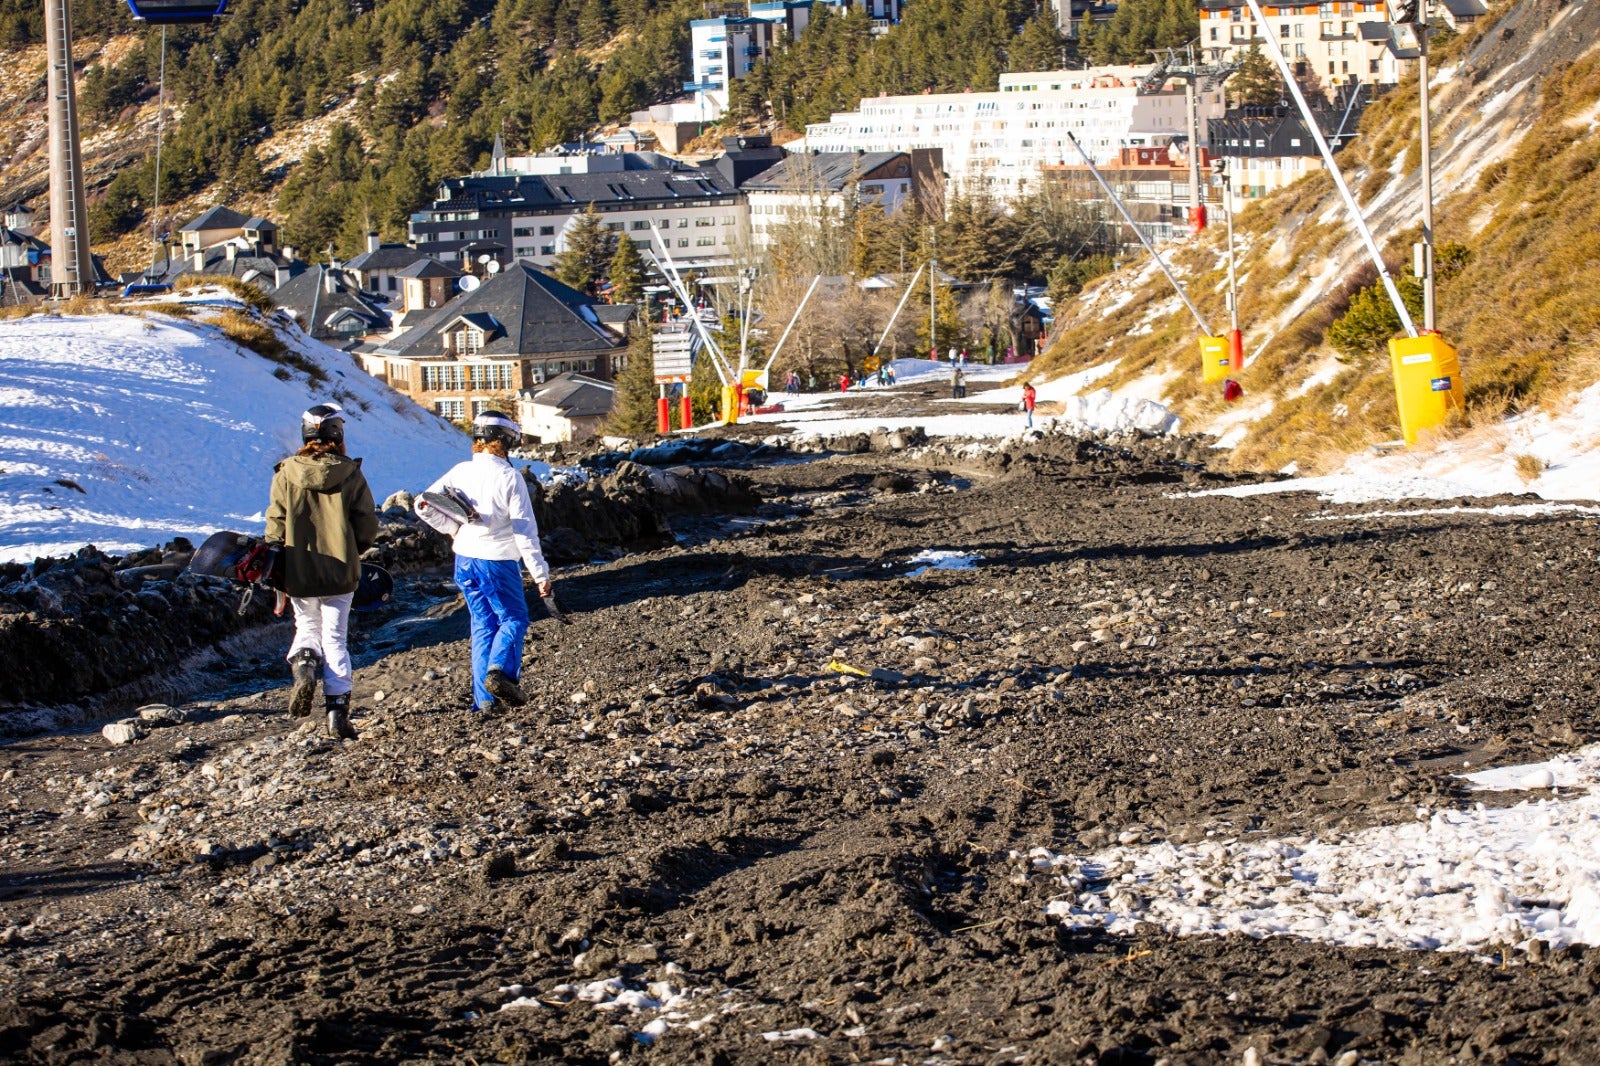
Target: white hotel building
1002,138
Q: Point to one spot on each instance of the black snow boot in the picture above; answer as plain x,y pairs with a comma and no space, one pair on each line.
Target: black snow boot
339,716
503,688
306,667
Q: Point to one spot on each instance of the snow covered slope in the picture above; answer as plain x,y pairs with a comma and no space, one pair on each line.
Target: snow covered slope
124,431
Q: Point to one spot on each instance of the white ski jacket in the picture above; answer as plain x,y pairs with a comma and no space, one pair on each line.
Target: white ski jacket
505,528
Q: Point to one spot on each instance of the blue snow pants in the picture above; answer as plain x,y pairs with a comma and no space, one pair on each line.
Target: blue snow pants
499,610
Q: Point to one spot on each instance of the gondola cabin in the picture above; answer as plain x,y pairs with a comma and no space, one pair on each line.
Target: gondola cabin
168,12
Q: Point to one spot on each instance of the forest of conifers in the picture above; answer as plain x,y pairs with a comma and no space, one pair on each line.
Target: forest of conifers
434,82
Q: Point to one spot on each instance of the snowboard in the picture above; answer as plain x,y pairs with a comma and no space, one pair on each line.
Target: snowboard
445,511
251,561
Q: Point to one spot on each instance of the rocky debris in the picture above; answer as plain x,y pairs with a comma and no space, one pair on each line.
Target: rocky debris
830,855
124,732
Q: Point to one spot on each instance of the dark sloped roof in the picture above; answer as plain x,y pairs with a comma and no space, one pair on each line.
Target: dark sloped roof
218,217
576,396
822,170
258,223
315,308
482,320
538,316
428,267
259,270
615,314
535,191
386,257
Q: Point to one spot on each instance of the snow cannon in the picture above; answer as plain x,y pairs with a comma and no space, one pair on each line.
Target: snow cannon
1427,382
1216,357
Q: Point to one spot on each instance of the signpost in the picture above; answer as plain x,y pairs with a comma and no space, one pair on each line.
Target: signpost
673,351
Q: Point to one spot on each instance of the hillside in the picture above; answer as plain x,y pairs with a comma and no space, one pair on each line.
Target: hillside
1515,113
127,429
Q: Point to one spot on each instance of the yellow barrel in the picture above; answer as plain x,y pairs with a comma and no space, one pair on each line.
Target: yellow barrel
1216,358
730,404
1427,382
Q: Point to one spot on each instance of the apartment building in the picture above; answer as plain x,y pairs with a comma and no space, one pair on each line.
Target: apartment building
733,37
516,217
807,185
1339,43
1001,139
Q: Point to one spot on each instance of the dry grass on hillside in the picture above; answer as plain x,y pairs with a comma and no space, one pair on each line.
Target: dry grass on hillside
1521,310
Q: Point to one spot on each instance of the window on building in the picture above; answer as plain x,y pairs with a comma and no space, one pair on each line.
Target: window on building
393,283
727,220
683,242
683,223
547,249
639,223
454,410
480,406
704,242
1372,66
702,222
614,227
1299,29
1216,34
1283,30
522,231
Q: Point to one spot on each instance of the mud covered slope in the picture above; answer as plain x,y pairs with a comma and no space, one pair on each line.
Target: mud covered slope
701,843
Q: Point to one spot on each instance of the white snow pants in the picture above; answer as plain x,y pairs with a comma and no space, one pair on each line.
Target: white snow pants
322,623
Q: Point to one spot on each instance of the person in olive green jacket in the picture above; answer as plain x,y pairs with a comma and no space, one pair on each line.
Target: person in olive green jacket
321,512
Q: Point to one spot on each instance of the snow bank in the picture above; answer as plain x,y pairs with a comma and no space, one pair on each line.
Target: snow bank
126,431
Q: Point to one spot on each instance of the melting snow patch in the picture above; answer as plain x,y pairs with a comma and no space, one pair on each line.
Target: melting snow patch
784,1036
1453,880
667,1000
1573,770
1504,510
943,560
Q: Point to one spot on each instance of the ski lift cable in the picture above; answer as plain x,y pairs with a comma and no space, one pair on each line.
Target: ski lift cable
1137,232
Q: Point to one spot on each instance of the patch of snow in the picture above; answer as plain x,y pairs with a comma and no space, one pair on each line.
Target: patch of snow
1454,880
940,559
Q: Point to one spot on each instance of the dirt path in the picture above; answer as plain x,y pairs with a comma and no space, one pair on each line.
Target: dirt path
769,860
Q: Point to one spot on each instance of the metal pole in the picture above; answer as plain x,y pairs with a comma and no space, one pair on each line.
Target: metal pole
1356,218
792,320
1427,174
1196,206
161,111
1233,280
933,317
1137,232
910,288
71,270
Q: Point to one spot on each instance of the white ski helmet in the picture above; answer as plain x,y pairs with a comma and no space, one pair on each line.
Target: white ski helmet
324,422
496,426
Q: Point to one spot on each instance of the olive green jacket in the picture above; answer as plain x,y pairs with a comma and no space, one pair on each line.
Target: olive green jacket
321,512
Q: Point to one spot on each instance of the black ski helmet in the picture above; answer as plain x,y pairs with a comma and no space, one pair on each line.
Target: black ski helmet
324,422
496,426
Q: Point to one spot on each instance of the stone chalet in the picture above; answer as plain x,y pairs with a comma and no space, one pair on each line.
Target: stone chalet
513,332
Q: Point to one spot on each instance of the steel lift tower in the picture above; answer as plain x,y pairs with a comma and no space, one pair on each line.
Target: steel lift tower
71,271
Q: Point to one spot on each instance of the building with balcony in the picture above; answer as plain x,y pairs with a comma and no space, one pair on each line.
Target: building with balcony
524,218
1000,140
1154,184
1335,44
808,185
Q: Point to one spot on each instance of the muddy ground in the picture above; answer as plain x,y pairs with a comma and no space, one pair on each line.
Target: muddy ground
698,843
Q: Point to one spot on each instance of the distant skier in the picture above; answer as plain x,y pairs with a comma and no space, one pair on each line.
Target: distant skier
1029,395
958,383
844,381
321,512
487,552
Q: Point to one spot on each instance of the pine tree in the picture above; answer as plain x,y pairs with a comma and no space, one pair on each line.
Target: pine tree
952,332
1256,82
588,253
1040,46
626,272
633,410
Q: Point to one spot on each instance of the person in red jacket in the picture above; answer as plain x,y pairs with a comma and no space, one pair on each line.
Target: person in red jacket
1028,397
844,381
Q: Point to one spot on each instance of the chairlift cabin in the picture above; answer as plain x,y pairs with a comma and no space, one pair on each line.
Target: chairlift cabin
176,12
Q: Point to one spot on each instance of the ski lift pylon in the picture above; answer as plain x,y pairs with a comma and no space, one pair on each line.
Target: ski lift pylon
171,12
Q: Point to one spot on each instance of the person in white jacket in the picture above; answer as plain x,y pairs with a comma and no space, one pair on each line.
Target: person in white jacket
490,552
